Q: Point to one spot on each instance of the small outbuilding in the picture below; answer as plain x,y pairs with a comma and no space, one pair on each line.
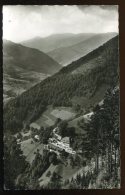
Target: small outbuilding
36,137
88,116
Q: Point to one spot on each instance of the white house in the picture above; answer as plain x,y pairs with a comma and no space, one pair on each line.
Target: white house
55,130
36,137
101,102
88,116
66,141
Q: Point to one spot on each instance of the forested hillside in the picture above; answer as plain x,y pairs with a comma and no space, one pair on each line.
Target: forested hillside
75,80
102,144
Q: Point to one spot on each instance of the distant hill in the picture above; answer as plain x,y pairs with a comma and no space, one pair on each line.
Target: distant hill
67,54
81,82
16,55
23,67
56,41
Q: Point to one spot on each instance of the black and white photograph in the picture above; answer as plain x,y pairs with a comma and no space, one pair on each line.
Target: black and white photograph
61,97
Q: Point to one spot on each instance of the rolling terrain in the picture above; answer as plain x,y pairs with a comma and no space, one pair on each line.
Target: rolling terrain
65,48
56,41
23,67
77,81
67,54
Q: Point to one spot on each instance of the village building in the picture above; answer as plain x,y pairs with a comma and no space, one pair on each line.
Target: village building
56,136
55,147
116,89
88,116
101,103
55,130
46,147
70,151
60,145
66,140
52,140
18,141
36,137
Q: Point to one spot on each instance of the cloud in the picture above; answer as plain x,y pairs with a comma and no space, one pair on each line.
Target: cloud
106,7
109,7
22,22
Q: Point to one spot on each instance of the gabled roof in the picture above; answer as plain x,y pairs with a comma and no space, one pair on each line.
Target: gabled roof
65,139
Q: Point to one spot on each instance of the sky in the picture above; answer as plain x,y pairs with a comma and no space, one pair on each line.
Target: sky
23,22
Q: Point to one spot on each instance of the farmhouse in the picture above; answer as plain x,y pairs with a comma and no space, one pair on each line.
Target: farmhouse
101,103
34,126
52,140
66,141
55,130
56,136
36,137
60,145
55,146
18,141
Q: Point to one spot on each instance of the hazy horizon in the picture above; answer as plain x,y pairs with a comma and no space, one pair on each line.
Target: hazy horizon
53,35
24,22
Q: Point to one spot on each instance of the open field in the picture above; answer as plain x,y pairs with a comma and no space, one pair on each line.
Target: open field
29,149
49,117
18,83
43,180
65,172
62,113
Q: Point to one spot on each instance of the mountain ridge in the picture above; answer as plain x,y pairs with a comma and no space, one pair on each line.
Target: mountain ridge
12,48
23,67
61,88
65,55
55,41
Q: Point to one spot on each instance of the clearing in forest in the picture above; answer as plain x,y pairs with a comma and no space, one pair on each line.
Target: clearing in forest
49,117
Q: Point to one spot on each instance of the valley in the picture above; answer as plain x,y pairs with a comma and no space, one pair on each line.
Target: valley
61,97
66,48
23,68
12,87
55,124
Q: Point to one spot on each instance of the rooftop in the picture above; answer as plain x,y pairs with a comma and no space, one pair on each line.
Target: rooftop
65,139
